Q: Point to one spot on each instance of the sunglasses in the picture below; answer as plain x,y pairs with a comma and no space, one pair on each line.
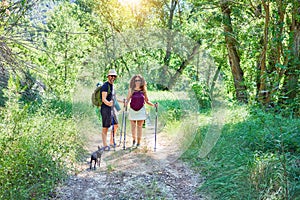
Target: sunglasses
114,76
138,80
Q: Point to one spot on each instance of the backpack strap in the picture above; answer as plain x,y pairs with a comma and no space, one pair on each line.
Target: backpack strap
109,90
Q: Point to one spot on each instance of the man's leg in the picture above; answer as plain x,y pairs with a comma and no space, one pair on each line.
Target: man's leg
104,136
106,122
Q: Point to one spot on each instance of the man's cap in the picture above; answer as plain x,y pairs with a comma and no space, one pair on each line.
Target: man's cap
112,72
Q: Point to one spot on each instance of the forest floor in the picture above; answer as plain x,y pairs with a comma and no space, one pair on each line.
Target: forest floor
133,173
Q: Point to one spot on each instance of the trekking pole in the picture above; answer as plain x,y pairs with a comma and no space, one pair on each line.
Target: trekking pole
155,129
123,116
124,143
113,129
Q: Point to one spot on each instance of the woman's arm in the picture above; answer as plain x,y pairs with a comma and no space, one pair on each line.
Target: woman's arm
147,100
116,98
120,101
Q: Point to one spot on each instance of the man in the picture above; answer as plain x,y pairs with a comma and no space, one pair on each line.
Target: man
106,107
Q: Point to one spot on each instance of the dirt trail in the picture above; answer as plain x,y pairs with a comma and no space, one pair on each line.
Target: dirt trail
133,173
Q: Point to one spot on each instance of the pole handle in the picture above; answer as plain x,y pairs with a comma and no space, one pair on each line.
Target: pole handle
156,106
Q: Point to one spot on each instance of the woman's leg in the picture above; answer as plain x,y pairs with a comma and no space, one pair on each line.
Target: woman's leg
139,131
133,130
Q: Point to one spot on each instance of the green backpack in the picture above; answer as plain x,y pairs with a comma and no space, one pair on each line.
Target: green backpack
97,97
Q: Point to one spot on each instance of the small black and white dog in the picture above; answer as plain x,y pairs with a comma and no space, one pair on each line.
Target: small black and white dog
96,156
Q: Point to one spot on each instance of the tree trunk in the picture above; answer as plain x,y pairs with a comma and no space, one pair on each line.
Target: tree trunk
66,58
212,87
263,93
183,65
169,44
290,87
4,76
234,59
270,74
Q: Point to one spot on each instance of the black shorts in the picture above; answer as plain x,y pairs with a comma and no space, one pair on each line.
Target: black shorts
106,116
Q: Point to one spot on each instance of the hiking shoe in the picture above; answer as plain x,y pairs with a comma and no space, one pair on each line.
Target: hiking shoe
137,145
113,145
133,143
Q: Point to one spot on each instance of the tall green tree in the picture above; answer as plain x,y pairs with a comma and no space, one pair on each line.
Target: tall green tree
65,47
290,87
233,55
154,14
14,43
261,42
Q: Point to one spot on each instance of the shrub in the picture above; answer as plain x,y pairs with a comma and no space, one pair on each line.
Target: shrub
202,95
37,149
256,157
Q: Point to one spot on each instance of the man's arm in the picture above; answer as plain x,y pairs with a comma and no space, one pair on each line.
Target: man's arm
104,100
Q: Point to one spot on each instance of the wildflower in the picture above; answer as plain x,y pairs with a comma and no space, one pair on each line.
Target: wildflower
7,12
5,4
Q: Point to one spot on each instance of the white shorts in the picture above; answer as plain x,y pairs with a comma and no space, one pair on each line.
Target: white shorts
137,115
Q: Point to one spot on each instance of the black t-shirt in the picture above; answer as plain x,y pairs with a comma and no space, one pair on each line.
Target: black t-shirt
107,87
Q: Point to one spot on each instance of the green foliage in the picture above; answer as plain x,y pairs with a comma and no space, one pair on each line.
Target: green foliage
268,132
60,107
256,157
202,95
65,44
37,148
169,110
170,107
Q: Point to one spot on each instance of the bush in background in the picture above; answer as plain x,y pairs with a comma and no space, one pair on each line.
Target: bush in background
38,147
202,95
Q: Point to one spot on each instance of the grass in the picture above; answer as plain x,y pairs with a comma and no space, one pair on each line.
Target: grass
39,147
255,157
41,142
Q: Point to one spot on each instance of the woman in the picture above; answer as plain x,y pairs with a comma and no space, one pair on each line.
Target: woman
137,96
